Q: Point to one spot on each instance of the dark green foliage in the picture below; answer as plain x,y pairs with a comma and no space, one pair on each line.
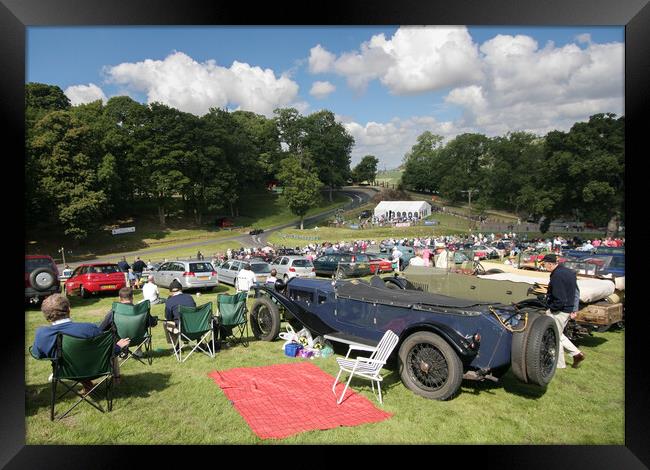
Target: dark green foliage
366,170
577,174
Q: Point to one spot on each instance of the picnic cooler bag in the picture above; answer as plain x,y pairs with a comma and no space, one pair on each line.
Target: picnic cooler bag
292,349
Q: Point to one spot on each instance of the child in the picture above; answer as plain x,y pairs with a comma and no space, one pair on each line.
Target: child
134,282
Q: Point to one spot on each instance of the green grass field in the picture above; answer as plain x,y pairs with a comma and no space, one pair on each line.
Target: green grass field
259,210
171,403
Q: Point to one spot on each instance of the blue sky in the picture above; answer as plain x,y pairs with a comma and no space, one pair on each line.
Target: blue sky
386,84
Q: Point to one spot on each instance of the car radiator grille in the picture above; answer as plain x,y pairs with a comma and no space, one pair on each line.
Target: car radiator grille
421,285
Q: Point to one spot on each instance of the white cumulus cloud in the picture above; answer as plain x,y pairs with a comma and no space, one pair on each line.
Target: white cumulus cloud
320,59
80,94
413,60
185,84
538,89
390,141
321,90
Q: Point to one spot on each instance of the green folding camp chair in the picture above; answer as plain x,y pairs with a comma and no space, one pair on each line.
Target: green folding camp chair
196,324
80,359
233,317
131,321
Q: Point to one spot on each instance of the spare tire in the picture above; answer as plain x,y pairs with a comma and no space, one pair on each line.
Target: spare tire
265,319
518,350
42,279
542,349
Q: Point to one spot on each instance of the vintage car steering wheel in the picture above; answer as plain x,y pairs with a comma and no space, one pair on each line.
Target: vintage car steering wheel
478,268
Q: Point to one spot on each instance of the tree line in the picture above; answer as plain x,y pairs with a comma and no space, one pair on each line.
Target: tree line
577,174
94,162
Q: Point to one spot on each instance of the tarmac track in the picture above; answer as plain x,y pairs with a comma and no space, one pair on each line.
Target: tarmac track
358,196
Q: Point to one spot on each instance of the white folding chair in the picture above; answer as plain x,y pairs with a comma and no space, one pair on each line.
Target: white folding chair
367,367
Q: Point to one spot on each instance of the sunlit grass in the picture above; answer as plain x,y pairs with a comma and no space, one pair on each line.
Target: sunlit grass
171,403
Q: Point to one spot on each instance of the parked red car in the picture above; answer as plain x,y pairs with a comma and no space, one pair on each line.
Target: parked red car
92,278
379,265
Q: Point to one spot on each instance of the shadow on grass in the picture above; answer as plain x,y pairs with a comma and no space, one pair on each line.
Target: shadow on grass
591,341
140,385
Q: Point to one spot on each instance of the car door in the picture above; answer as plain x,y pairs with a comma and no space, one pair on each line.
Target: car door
234,269
284,267
72,284
223,272
320,264
161,276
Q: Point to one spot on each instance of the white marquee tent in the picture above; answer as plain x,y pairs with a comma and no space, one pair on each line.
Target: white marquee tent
402,209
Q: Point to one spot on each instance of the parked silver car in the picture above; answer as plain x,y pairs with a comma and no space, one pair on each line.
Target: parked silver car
293,266
228,271
192,274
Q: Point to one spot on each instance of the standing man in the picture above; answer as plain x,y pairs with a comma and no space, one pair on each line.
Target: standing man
397,258
123,265
561,302
138,267
245,279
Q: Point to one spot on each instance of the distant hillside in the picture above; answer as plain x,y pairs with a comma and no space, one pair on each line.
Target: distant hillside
390,176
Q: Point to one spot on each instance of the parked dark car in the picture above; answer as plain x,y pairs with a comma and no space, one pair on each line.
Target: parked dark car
343,265
41,278
256,231
442,340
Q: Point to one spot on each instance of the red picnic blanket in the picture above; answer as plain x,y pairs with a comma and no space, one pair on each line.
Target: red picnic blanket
284,399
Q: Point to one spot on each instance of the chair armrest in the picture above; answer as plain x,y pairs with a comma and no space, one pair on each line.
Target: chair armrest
359,347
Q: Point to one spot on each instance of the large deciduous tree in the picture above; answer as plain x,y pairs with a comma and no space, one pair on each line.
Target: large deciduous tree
366,170
301,186
420,163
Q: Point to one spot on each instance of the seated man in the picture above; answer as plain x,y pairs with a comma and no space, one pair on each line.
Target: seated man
125,297
172,308
151,293
56,309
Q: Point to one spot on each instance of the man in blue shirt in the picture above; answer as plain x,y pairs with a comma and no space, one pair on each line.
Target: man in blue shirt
562,305
56,309
172,308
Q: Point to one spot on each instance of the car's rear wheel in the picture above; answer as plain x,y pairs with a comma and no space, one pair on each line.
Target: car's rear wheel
542,349
265,319
429,366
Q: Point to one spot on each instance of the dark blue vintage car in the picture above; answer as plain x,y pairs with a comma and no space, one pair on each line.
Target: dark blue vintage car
441,339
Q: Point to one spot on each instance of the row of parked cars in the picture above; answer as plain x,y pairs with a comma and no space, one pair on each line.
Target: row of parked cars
42,277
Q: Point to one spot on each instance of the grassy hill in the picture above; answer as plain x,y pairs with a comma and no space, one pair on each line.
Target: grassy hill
259,209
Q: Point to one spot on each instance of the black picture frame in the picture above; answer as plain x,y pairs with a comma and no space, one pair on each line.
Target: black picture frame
16,15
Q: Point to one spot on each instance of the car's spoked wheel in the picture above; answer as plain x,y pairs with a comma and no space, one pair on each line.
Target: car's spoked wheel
83,292
548,354
265,319
542,349
429,366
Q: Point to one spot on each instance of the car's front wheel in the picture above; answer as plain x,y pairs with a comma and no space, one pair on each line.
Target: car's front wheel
83,292
429,366
265,319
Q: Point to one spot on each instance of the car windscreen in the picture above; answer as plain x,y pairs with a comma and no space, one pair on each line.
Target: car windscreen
106,269
35,263
302,263
200,267
260,267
